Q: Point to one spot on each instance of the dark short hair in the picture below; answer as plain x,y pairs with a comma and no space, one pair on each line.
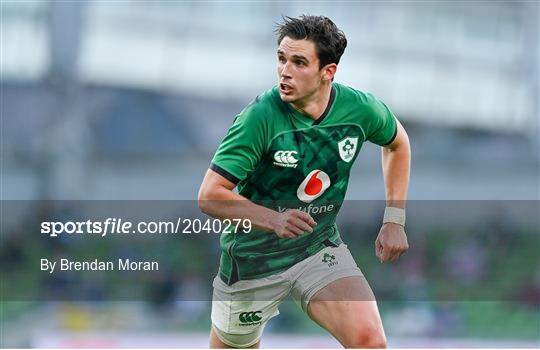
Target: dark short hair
330,41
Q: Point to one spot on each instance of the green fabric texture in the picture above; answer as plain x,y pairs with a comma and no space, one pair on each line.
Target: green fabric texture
283,159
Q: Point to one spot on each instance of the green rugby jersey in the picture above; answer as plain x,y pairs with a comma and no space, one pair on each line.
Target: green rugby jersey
281,158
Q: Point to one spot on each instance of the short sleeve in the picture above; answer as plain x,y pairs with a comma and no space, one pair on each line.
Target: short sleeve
243,147
380,124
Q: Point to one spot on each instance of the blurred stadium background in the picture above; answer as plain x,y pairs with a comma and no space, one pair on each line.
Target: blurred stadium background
129,99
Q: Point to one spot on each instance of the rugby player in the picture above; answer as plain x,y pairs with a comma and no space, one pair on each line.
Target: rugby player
289,154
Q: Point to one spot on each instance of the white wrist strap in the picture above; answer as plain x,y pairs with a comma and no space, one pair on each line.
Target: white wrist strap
394,215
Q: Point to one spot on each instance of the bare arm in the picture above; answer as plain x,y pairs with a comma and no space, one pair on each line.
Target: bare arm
217,199
396,164
391,242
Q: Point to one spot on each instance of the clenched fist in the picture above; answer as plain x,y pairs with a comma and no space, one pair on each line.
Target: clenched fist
292,223
391,242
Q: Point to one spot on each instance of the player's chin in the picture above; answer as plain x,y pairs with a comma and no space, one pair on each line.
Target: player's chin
287,97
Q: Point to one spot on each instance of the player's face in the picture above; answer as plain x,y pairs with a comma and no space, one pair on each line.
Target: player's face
298,70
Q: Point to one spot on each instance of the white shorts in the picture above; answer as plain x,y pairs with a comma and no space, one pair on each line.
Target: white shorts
240,311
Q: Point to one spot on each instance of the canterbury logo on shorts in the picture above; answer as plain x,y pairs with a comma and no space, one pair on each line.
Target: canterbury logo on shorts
250,318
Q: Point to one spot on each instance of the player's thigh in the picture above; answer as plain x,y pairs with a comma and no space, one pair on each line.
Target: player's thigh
218,341
240,311
347,309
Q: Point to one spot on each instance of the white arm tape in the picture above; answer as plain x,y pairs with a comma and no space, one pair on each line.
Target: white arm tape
394,215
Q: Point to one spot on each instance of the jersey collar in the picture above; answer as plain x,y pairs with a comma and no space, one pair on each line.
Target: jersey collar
328,106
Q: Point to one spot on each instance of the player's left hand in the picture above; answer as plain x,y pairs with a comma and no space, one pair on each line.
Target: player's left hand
391,242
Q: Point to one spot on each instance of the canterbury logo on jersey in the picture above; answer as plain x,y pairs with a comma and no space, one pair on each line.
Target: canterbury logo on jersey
250,318
313,186
286,159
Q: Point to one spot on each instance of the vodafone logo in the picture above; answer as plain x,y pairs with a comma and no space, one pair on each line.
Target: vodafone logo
313,186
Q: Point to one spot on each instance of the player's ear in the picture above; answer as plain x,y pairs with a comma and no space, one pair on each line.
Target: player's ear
329,71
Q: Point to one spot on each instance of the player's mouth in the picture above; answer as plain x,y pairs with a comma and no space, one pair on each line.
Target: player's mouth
285,88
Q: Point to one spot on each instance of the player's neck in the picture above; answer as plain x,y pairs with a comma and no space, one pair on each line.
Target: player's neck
315,105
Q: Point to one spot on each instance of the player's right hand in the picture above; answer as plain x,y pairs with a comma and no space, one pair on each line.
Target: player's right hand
292,223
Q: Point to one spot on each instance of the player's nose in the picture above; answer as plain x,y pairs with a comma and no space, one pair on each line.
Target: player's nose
284,71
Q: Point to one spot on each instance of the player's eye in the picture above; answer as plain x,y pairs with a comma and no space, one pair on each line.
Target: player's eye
281,59
301,63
